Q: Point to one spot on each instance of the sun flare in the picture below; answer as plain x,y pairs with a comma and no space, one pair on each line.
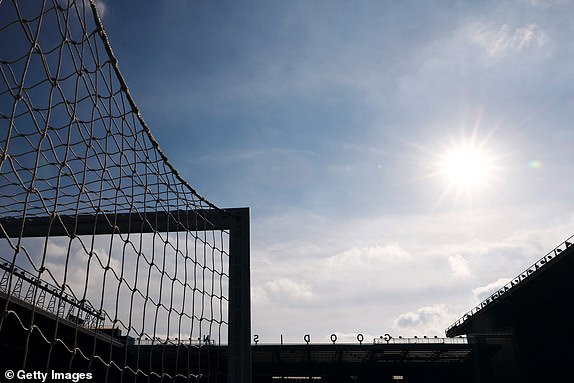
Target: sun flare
466,167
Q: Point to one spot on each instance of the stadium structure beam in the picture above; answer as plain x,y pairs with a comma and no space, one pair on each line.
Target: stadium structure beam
234,220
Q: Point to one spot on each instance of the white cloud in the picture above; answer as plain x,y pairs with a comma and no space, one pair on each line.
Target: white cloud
426,320
364,270
483,292
367,257
281,290
500,41
56,248
459,266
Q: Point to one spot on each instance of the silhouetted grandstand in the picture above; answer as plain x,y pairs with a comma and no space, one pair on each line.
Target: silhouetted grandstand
529,320
409,360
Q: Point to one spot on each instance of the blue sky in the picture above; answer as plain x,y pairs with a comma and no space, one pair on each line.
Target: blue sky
329,119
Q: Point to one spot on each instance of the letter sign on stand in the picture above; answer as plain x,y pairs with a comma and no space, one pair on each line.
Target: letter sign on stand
333,338
388,338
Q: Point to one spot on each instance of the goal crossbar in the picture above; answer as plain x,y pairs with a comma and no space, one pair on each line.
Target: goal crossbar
115,223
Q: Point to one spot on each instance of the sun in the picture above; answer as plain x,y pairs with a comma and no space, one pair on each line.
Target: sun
466,167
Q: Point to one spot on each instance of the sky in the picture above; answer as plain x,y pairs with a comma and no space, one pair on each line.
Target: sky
401,160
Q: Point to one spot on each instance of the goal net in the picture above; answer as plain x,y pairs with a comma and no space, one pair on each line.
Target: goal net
113,268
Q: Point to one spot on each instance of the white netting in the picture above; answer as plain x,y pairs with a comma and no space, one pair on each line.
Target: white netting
74,150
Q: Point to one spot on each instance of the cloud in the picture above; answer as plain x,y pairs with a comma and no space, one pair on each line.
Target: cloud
483,292
284,290
364,258
459,266
56,248
366,270
426,320
498,42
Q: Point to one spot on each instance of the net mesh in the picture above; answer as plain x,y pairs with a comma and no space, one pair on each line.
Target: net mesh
125,305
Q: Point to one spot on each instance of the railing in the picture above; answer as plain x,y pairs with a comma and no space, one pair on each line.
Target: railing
418,340
552,255
23,285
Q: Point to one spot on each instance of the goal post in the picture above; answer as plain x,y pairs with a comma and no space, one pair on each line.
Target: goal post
239,362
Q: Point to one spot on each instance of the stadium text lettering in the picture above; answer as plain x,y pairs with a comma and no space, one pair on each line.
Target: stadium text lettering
333,337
